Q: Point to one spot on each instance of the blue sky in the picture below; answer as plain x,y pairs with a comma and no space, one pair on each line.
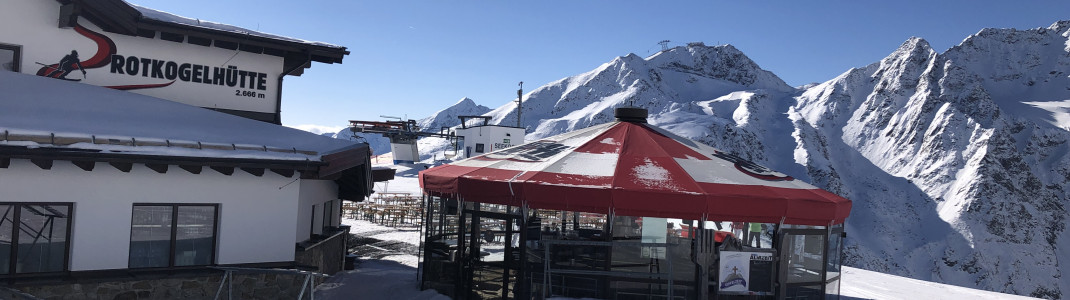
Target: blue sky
412,58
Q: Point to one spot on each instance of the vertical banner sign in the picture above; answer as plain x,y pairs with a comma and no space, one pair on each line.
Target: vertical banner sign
745,272
734,274
655,230
761,272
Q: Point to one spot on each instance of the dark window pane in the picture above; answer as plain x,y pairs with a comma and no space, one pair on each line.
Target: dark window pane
42,239
150,236
6,230
328,210
7,60
195,237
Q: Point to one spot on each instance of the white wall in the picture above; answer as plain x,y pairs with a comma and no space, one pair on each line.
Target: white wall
256,216
313,192
492,137
34,25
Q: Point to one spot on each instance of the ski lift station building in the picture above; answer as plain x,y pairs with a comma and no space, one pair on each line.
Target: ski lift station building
478,137
140,152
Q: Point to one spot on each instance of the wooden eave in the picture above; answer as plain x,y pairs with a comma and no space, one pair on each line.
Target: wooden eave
115,158
119,17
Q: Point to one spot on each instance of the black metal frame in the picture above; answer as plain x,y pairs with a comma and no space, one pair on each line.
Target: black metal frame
469,214
782,274
15,237
174,232
16,63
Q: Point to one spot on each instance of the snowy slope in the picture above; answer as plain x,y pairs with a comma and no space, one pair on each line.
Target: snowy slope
956,161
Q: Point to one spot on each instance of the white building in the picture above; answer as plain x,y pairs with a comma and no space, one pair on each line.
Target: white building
122,186
482,139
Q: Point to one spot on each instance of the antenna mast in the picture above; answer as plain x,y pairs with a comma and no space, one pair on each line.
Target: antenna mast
519,101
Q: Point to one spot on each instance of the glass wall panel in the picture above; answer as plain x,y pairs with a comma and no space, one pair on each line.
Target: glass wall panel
805,257
7,229
150,236
835,244
42,239
195,235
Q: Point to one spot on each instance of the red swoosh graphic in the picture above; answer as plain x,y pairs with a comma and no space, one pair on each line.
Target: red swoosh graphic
105,49
139,86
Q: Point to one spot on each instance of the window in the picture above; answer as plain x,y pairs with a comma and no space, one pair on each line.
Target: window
171,235
9,57
34,237
479,148
328,216
312,224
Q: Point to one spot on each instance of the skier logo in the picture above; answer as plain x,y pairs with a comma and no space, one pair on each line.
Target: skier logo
105,49
751,168
65,66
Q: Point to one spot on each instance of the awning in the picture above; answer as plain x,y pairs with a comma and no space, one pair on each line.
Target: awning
634,169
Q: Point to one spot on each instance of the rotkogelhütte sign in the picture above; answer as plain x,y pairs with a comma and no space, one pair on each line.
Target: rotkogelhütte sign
205,76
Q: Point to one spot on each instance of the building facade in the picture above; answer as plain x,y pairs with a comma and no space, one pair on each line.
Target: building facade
117,182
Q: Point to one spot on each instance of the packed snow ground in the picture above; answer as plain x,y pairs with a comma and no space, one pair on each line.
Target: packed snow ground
393,277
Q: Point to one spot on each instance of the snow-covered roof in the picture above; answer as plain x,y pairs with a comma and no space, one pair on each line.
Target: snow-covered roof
119,16
42,112
176,19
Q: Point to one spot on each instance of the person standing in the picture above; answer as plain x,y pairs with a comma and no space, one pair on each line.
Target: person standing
755,234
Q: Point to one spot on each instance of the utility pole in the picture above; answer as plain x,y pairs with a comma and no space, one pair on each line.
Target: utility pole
519,101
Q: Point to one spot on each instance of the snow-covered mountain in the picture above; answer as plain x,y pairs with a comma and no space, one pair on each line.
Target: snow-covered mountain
956,161
449,117
978,132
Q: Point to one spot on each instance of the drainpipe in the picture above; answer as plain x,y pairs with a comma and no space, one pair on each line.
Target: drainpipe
278,89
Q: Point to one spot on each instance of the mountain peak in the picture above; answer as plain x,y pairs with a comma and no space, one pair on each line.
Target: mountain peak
448,117
915,42
465,101
1062,27
721,62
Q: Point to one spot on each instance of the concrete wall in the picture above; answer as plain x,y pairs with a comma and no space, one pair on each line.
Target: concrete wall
245,286
257,219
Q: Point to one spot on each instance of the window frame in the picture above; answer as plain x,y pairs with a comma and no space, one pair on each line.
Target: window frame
16,62
17,212
174,234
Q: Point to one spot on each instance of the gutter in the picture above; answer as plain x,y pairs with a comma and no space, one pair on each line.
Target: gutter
278,88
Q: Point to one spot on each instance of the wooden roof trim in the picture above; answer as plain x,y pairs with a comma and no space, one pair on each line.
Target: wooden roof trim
8,152
119,17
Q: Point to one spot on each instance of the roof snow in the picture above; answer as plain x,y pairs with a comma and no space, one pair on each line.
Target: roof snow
173,18
35,106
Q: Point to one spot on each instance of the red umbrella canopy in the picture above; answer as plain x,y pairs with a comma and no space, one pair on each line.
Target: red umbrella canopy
634,169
